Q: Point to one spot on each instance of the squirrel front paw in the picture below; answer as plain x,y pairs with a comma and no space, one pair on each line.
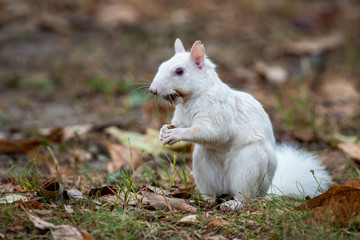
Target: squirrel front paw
231,206
170,135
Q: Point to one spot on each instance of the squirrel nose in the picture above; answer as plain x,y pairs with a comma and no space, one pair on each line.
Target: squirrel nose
153,91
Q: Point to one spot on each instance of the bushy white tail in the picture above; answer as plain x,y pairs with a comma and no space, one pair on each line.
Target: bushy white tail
298,174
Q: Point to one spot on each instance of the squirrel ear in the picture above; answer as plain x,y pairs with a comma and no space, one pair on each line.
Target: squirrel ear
198,54
178,46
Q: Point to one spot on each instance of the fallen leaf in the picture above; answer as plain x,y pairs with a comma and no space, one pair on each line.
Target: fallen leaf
15,228
38,222
13,198
75,130
339,204
59,232
117,14
184,194
335,162
190,219
355,182
161,202
339,97
315,45
79,154
148,143
217,222
157,190
273,74
351,149
68,208
74,194
68,232
41,212
19,146
122,156
216,237
345,139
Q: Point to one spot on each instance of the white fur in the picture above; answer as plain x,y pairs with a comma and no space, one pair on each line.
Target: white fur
235,151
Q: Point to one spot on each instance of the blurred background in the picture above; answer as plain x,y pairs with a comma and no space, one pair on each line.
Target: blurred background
90,61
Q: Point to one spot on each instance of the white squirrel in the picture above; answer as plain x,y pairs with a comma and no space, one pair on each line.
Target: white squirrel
235,151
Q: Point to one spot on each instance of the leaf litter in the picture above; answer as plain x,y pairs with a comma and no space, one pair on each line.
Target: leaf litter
81,149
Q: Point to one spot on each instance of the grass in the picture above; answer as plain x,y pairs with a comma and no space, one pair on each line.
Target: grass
262,218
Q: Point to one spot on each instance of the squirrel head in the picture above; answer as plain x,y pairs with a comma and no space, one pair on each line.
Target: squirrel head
183,75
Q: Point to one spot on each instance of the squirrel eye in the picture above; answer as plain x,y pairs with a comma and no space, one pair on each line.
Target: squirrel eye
179,71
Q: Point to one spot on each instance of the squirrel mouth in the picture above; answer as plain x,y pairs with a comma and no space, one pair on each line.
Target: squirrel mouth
171,97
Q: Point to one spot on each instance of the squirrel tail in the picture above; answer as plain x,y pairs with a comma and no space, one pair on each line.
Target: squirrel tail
298,174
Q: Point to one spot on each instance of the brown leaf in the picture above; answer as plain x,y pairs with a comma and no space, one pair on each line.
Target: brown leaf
122,156
75,130
216,237
218,222
339,97
79,154
340,204
190,219
38,222
161,202
19,146
351,149
184,194
355,182
314,46
59,232
68,232
273,74
116,14
156,190
15,228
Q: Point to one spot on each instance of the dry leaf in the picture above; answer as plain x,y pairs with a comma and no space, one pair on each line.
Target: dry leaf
339,97
339,204
19,146
217,237
274,74
15,228
315,45
13,198
75,130
38,222
157,190
351,149
60,232
79,154
148,143
183,193
355,182
190,219
74,194
161,202
122,156
116,14
217,222
68,208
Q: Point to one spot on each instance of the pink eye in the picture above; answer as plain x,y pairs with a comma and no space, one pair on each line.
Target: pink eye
179,71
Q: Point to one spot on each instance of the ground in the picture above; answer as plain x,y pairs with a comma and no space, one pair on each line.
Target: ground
89,63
